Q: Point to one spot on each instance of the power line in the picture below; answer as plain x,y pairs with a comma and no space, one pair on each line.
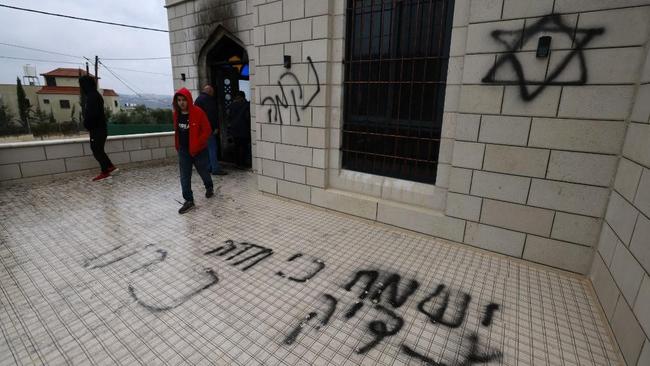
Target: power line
80,63
140,71
137,59
82,57
118,78
39,50
84,19
41,60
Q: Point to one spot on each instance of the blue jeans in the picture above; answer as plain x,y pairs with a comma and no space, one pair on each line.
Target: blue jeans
213,145
201,161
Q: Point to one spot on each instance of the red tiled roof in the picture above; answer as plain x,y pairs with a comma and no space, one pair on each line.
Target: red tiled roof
66,73
71,90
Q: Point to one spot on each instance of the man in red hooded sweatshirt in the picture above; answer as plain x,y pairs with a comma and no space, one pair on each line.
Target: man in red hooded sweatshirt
192,131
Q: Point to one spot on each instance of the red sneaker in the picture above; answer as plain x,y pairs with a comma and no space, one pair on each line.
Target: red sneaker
101,176
113,169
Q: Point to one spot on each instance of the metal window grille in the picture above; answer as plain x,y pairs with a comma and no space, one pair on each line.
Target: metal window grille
397,52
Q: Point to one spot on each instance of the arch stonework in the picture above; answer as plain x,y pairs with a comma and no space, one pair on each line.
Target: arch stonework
216,35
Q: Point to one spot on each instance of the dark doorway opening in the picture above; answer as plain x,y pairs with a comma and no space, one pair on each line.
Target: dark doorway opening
227,66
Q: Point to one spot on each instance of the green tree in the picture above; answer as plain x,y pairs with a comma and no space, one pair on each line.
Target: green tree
108,113
161,116
73,118
23,105
6,117
39,116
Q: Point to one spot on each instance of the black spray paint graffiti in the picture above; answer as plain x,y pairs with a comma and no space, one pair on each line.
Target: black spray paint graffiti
328,314
114,256
244,253
549,24
438,316
372,289
214,279
472,356
391,283
319,267
259,253
281,101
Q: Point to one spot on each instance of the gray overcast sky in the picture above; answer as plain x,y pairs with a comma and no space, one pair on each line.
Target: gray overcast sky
82,38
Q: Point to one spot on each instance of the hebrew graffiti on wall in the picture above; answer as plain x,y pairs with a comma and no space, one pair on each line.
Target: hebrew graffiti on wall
280,100
551,24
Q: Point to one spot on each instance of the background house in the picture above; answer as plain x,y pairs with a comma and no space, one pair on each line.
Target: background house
60,95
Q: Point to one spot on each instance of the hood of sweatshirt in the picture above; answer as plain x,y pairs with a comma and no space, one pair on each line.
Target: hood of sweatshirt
187,94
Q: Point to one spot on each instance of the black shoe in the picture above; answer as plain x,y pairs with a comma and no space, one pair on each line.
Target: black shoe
209,193
188,205
220,172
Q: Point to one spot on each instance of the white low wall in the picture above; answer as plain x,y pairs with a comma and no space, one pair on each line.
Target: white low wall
26,160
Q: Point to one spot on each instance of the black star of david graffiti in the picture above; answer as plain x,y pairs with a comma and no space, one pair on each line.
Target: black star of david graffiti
548,24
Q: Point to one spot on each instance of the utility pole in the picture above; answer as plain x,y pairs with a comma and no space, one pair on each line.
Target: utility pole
87,70
96,68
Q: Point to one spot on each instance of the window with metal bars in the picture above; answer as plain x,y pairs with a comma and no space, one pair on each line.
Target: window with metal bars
396,59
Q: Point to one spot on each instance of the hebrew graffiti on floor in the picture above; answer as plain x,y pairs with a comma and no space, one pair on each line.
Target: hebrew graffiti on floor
552,24
319,265
385,293
213,280
437,306
280,100
259,253
325,319
438,316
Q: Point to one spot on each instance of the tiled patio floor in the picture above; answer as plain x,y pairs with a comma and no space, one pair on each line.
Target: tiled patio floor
109,273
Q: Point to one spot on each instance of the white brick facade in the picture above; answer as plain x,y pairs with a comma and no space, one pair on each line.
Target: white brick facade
560,177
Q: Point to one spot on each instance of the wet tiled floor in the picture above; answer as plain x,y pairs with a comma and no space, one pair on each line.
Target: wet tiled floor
110,273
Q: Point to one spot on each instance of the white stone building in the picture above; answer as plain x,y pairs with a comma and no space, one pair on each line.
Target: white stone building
517,126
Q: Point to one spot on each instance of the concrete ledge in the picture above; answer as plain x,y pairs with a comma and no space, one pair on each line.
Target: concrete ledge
350,203
23,160
421,220
87,172
81,139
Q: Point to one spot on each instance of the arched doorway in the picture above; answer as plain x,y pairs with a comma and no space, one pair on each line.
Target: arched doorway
223,63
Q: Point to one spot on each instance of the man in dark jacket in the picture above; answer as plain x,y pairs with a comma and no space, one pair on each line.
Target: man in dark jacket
240,119
206,102
95,122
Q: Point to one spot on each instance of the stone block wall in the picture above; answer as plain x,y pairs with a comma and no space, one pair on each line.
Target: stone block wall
621,267
537,139
293,137
529,144
37,159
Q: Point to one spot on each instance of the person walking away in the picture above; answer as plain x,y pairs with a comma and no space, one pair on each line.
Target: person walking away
240,119
207,103
191,133
92,109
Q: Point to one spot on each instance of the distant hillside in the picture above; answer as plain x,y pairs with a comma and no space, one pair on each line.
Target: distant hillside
149,100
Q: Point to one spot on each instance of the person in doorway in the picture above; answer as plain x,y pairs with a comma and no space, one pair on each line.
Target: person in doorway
240,119
208,104
192,131
94,119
